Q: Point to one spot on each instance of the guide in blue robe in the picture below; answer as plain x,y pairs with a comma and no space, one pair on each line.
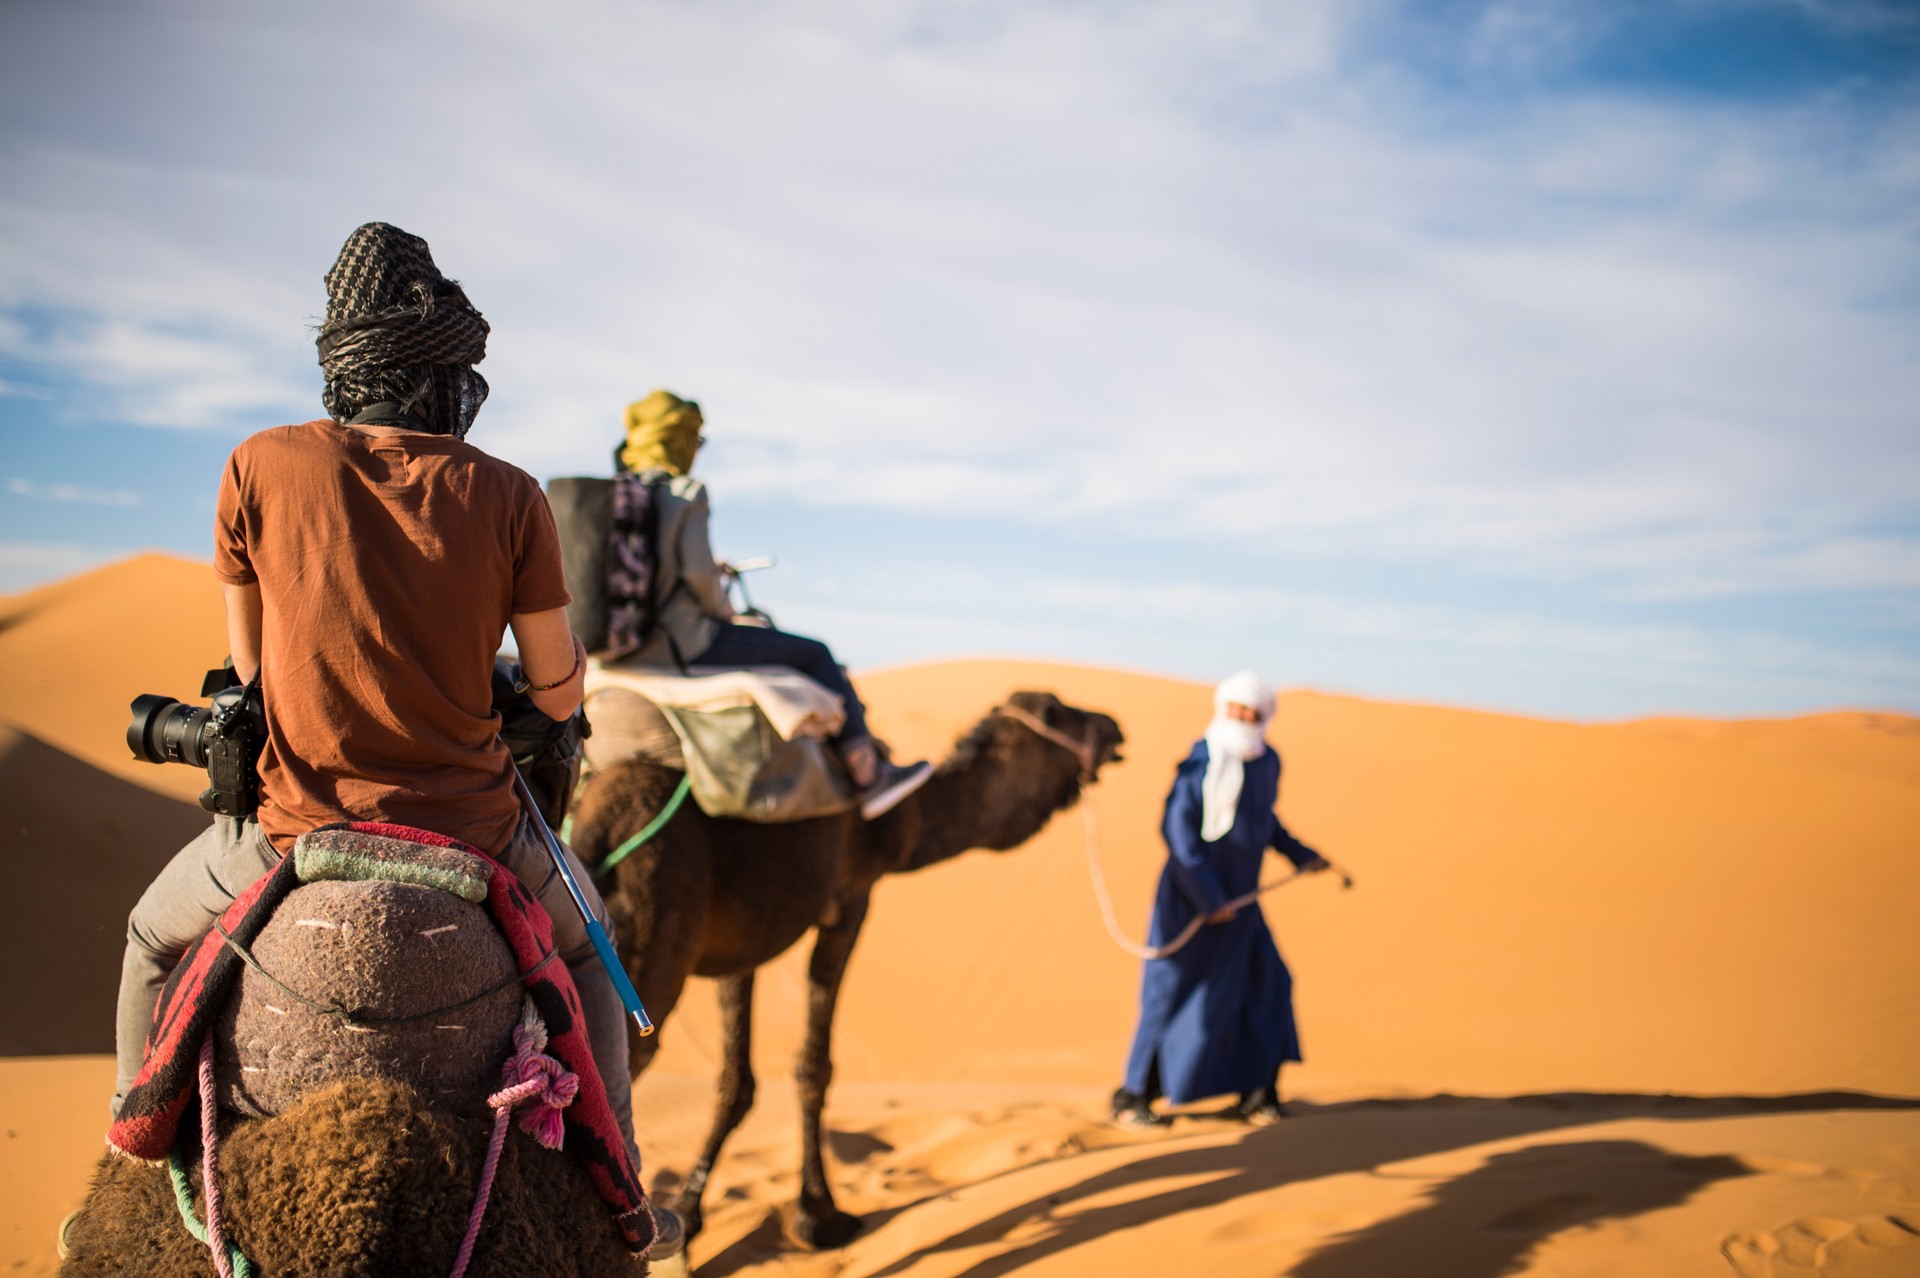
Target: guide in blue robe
1216,1016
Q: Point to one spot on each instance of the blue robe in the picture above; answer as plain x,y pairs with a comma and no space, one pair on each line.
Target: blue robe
1217,1016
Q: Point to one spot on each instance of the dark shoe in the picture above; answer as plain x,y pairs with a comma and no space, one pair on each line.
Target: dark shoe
670,1234
1260,1109
1130,1112
892,782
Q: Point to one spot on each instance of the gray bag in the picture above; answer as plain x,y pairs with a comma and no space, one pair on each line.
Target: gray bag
583,514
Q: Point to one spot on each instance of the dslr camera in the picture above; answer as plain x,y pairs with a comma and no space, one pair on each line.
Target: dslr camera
225,738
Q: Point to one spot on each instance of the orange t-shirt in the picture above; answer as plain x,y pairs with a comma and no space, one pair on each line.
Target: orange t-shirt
388,567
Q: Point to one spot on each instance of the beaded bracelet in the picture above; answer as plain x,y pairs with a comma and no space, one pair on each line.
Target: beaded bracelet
524,686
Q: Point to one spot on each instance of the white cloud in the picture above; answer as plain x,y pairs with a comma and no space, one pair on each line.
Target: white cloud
1184,272
75,493
17,390
1600,649
27,564
1490,656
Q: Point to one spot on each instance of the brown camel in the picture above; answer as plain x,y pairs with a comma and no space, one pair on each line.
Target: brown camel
348,1150
719,898
357,1179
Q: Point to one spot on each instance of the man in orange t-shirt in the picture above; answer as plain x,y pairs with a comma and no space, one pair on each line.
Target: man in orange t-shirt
371,563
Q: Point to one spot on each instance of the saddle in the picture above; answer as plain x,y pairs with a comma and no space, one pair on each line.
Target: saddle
753,743
374,951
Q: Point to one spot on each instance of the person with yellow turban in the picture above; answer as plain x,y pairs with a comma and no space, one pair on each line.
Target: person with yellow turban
663,433
693,617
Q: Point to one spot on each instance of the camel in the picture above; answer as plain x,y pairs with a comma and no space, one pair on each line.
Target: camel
360,1177
719,898
358,1150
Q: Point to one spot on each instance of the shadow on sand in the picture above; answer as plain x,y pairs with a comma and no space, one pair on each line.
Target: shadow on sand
1481,1224
1485,1220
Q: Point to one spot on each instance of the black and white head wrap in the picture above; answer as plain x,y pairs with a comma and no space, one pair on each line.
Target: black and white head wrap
400,335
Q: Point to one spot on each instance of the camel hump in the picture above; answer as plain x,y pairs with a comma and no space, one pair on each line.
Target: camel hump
430,983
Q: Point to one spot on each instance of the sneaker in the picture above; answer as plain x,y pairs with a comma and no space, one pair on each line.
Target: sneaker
1130,1112
670,1234
892,782
1260,1109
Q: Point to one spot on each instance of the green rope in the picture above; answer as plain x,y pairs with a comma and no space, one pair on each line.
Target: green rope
566,822
183,1198
652,827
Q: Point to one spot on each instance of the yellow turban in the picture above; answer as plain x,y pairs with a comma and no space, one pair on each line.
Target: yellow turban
663,433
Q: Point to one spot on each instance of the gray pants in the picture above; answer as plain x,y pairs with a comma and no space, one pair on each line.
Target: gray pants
204,877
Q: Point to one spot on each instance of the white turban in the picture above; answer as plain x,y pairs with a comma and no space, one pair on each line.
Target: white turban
1230,744
1245,689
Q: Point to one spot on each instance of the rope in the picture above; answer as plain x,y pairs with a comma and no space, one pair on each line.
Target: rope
1084,751
210,1161
573,798
1194,924
183,1199
348,1016
228,1259
653,827
530,1075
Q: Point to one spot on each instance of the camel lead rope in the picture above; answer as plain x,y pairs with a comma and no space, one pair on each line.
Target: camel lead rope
216,1238
183,1199
533,1079
1105,897
240,1266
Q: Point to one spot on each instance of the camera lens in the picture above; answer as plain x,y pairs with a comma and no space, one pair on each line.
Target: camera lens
166,731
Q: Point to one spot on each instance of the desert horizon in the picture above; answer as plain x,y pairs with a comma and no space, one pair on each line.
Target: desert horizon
1606,998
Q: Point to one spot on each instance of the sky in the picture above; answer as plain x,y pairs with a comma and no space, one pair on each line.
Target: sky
1528,355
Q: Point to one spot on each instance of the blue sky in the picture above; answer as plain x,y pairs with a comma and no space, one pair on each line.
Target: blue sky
1542,356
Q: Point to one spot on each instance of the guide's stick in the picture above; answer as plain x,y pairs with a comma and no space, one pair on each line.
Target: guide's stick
602,943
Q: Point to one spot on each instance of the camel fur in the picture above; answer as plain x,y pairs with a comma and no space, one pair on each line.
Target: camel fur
357,1179
719,898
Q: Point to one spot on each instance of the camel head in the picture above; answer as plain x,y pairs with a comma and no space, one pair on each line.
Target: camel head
1091,738
1026,760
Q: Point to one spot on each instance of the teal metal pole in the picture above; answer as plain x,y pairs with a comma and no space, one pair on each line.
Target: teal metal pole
602,943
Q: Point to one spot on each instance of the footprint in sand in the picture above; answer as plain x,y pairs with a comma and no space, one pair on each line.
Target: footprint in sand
1827,1246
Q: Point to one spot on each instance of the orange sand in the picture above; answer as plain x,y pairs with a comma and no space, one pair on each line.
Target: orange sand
1565,921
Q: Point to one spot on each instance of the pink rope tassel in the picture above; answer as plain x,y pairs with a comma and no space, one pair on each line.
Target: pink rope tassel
530,1075
557,1085
210,1162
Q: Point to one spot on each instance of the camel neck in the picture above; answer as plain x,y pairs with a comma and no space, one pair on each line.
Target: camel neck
995,798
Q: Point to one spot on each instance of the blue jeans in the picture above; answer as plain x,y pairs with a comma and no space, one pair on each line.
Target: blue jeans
738,645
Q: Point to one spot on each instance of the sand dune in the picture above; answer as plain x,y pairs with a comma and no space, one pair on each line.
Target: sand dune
79,846
1540,906
80,650
1565,922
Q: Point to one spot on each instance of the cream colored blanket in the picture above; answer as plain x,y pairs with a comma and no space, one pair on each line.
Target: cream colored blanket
795,705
